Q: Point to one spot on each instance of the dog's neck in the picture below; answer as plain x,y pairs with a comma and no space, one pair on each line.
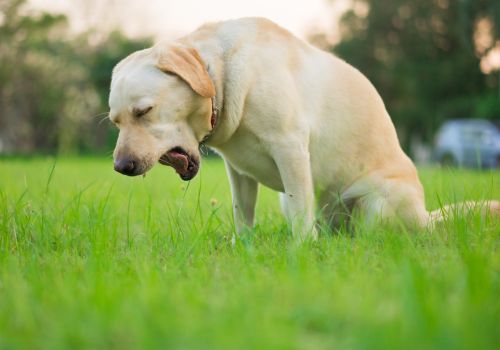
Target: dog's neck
224,125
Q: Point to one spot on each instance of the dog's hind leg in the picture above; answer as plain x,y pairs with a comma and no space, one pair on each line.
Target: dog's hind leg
391,201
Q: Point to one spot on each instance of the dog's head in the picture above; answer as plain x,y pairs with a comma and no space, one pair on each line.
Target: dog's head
160,100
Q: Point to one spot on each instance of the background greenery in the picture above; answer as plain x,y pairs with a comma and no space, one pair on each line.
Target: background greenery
423,56
54,85
92,259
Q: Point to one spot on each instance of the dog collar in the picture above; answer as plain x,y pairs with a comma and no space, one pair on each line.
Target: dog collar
213,120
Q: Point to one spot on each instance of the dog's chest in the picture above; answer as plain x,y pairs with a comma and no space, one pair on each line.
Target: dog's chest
249,157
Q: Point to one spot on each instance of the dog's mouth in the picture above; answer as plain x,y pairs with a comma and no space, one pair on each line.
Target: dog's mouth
184,164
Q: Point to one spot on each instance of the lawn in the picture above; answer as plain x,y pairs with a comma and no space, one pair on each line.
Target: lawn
92,259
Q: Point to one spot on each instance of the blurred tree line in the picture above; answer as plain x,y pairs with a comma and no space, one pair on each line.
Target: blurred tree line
424,57
54,85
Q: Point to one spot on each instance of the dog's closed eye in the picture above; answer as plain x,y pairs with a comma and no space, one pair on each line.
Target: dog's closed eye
139,112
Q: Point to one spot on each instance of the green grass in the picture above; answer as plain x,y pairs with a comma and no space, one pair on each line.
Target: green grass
91,259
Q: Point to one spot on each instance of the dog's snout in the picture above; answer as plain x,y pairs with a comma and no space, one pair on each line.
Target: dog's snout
126,166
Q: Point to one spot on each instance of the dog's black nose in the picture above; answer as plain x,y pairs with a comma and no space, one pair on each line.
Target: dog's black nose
126,166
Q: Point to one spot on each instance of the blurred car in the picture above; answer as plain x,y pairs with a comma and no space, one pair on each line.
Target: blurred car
473,143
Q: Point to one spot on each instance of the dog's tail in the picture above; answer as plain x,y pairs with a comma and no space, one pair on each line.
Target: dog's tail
486,208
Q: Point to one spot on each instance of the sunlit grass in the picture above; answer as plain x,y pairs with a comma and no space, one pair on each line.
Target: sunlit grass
92,259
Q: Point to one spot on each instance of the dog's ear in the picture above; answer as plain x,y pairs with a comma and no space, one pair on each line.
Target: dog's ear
186,63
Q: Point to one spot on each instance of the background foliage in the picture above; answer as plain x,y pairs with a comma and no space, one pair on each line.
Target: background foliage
424,58
53,85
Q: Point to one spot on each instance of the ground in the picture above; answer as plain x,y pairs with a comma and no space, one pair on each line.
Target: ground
92,259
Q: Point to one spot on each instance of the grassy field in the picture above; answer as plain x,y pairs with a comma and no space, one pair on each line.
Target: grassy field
92,259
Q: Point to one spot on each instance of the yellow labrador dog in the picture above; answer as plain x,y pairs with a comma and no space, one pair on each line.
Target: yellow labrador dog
280,112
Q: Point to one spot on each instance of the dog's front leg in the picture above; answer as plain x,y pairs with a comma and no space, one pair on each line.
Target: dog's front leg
298,199
244,191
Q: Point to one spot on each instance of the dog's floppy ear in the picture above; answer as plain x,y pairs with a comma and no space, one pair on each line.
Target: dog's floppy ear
186,63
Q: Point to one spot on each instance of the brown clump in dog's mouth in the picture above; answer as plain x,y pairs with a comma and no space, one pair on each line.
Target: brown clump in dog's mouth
184,164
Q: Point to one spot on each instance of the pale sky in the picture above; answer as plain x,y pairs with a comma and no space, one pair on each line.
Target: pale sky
171,18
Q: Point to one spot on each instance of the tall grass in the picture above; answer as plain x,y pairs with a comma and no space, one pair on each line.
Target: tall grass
92,259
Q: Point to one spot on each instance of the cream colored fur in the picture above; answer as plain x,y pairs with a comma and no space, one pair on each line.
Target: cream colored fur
292,117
